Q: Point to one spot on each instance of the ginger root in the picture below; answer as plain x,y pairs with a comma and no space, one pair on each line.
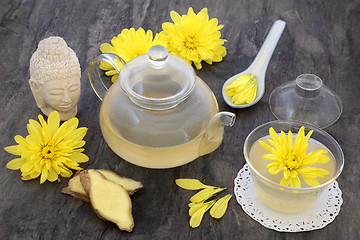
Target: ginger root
129,184
109,200
76,189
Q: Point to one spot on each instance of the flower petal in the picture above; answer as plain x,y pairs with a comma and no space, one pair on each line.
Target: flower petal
65,172
106,66
274,169
205,194
52,177
16,163
34,174
13,150
77,134
79,157
20,140
53,122
312,172
175,17
26,167
190,184
106,48
197,217
285,182
270,157
219,208
313,182
287,174
295,182
197,206
27,177
114,78
34,128
316,157
44,175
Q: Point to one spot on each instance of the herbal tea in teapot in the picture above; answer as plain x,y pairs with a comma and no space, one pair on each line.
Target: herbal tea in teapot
159,114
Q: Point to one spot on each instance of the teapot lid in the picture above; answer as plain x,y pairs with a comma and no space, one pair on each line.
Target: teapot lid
157,80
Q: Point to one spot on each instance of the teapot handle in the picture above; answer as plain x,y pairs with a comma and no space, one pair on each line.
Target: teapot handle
97,81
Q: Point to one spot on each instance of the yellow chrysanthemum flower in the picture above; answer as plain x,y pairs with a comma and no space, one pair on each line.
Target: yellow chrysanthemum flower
128,45
50,149
194,37
291,157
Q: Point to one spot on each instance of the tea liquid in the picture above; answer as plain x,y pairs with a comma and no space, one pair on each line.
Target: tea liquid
158,157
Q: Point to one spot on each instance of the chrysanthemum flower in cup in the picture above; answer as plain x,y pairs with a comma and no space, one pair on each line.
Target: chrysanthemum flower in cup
301,168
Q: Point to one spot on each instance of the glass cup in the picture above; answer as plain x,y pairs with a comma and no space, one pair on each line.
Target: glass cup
285,198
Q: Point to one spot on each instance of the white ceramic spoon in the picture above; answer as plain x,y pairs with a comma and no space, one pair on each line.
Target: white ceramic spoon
259,65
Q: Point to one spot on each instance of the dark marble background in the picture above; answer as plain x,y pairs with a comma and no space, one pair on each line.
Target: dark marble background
321,37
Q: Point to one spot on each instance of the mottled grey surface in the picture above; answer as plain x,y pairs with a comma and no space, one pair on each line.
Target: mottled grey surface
321,37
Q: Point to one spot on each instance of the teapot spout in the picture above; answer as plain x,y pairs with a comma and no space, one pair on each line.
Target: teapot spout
215,132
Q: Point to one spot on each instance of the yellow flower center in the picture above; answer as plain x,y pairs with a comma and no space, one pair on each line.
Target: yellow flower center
292,161
191,42
49,152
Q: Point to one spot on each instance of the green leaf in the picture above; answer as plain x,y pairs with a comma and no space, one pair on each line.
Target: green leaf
219,208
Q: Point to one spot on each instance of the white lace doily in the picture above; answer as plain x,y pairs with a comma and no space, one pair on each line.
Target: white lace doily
317,216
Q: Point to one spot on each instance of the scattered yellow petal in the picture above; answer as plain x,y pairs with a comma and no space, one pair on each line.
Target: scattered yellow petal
197,206
197,217
191,204
190,184
205,194
219,208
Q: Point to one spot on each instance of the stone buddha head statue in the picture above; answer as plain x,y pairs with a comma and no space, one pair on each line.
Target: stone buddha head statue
55,78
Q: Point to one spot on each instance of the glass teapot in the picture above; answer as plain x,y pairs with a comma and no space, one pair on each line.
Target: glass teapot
158,114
